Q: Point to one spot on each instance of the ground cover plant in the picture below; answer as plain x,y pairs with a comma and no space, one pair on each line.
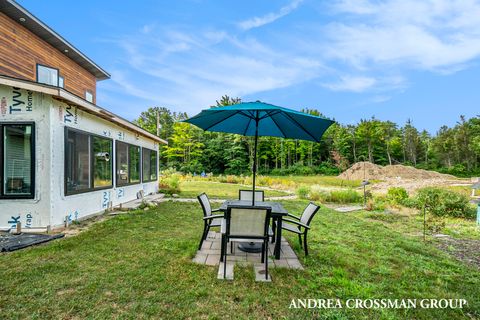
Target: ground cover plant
139,265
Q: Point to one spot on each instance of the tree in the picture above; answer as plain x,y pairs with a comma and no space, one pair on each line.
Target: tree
185,146
369,132
411,142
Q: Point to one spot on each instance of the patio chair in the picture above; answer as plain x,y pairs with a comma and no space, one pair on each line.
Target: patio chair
248,194
209,220
247,224
301,224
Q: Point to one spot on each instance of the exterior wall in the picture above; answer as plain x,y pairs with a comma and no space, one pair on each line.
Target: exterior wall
85,204
26,106
21,50
50,205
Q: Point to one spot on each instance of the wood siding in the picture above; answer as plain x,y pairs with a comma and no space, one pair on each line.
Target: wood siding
21,51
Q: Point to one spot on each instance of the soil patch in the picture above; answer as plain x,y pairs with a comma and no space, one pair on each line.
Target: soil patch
370,171
465,250
397,175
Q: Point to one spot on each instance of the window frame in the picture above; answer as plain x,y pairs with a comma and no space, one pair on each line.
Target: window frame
120,185
42,65
32,161
89,92
63,81
156,166
91,186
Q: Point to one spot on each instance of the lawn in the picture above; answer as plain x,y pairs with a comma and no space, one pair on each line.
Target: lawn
138,265
217,190
331,181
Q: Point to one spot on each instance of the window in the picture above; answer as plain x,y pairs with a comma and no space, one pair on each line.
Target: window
128,164
149,165
102,165
77,162
134,166
89,96
122,163
47,75
61,81
17,154
88,164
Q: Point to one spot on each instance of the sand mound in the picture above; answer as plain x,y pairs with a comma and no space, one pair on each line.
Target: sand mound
376,172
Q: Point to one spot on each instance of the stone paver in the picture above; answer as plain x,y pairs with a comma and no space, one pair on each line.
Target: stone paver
229,271
259,270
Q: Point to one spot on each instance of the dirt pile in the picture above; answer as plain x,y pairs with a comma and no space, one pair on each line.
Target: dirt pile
370,171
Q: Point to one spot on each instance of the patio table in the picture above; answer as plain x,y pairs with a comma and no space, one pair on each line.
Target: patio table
278,212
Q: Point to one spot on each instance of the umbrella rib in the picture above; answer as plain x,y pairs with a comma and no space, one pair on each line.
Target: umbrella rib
270,114
279,128
247,115
246,128
213,125
298,124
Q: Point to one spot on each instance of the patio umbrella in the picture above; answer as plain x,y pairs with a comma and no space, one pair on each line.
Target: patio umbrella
261,119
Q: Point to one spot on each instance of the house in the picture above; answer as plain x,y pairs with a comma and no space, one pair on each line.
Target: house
62,157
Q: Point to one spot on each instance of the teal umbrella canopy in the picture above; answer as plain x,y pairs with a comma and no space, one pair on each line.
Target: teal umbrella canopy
262,119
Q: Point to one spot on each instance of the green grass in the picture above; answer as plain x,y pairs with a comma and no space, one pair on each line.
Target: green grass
217,190
139,265
331,181
412,223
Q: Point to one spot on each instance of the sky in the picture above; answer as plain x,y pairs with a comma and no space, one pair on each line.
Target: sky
392,60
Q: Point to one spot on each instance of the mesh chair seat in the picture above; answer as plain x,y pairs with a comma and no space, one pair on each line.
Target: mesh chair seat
291,227
208,222
302,226
246,224
248,195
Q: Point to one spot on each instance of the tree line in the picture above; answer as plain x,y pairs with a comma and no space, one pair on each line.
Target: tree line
454,150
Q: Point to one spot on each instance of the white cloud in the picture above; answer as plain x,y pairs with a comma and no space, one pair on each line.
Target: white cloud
428,35
351,83
360,46
188,71
270,17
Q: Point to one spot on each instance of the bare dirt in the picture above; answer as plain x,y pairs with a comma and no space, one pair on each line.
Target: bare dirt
465,250
398,175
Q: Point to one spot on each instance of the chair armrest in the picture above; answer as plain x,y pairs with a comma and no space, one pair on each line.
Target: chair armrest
292,216
298,223
223,226
216,210
213,216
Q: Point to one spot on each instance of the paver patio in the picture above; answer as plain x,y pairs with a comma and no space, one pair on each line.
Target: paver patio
210,254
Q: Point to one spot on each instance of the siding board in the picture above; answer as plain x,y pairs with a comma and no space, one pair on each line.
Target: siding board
21,51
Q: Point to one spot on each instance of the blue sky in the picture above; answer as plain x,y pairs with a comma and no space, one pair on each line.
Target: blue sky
390,59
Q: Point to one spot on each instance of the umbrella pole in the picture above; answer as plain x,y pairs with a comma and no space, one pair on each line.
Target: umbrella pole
255,158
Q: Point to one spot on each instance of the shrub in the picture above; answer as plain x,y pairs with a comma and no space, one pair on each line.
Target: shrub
318,194
345,196
441,202
378,203
396,195
303,192
170,184
327,168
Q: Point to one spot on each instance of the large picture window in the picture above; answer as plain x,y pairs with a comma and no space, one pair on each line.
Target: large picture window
149,165
17,160
102,164
128,164
87,162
